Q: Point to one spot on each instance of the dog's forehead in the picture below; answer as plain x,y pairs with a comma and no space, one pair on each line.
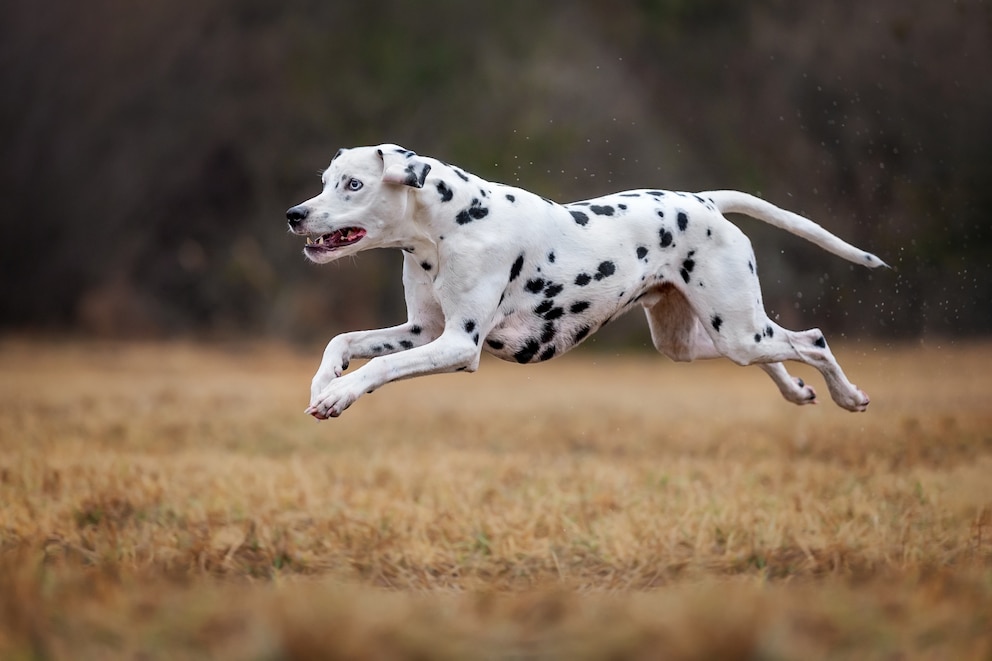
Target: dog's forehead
359,160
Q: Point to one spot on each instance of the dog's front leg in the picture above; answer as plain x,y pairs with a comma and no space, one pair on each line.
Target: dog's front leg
453,351
367,344
425,323
467,298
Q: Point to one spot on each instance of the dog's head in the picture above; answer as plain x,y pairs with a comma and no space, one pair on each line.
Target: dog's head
365,191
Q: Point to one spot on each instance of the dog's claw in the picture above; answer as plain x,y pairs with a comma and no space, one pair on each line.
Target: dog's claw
315,412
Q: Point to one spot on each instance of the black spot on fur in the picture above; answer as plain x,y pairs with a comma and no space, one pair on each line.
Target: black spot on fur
414,178
495,344
750,265
689,264
549,332
389,347
622,207
534,286
515,269
462,175
416,330
406,344
717,321
683,220
554,313
709,232
475,339
475,211
657,193
820,342
445,192
548,353
581,306
580,217
511,198
545,305
630,194
582,334
553,290
426,266
641,252
684,274
526,354
666,237
551,257
583,279
469,325
604,210
605,270
768,331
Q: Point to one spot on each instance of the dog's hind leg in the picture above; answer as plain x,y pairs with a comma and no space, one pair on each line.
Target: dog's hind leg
676,331
741,330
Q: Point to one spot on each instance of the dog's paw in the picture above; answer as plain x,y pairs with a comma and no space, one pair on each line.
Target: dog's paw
333,400
799,393
807,393
857,401
862,401
328,372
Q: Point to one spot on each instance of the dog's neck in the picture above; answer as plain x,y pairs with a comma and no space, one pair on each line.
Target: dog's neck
419,236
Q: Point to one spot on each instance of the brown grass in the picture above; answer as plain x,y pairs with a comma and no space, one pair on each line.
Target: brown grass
173,500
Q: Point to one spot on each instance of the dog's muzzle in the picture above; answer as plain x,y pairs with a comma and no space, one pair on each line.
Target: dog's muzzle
296,215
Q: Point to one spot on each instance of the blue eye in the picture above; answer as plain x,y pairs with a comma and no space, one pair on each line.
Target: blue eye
354,184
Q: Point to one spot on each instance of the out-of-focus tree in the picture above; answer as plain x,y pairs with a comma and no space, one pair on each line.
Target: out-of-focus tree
149,152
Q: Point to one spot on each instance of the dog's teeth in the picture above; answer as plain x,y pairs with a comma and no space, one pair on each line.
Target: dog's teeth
320,239
309,241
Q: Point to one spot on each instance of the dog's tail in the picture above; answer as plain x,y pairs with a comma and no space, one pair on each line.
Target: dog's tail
731,201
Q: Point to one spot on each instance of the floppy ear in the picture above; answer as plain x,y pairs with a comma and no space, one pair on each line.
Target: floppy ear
402,166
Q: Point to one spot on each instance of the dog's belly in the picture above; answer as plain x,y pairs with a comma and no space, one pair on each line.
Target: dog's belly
567,295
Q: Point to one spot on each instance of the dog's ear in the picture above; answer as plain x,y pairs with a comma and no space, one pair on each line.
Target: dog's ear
402,166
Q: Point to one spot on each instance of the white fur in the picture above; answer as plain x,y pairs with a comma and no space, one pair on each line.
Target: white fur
494,267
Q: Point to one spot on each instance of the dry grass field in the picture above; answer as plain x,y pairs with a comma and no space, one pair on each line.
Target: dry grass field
173,501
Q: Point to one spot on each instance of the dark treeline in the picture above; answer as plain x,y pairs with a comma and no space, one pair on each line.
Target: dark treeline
149,149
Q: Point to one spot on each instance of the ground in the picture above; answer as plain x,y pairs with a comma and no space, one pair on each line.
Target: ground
170,499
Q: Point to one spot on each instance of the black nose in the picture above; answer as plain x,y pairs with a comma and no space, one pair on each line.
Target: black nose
297,215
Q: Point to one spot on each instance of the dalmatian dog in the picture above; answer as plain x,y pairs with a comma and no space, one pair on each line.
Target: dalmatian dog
493,267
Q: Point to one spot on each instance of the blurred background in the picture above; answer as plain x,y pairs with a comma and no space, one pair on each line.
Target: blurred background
149,150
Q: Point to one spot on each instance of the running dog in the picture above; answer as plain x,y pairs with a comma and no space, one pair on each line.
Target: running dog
493,267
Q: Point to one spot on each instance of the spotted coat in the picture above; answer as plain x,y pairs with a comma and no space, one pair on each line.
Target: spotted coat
496,268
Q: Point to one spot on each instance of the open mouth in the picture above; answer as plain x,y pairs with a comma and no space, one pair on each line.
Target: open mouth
334,240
